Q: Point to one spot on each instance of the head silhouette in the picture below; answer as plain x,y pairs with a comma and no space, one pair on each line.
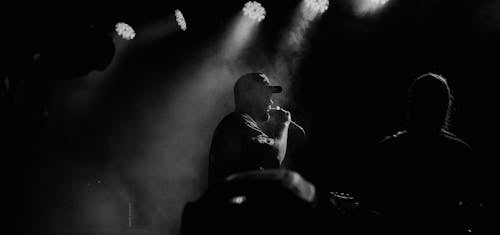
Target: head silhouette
255,202
252,95
429,104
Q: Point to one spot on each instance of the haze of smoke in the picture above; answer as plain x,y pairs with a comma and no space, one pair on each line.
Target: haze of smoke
161,151
291,52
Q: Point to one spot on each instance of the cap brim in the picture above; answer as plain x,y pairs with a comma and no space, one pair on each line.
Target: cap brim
275,89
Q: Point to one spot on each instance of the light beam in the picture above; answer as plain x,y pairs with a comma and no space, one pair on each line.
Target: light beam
319,6
369,6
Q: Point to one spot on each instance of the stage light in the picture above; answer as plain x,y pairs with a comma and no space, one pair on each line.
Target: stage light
379,2
370,6
180,20
238,199
125,31
317,5
254,10
242,30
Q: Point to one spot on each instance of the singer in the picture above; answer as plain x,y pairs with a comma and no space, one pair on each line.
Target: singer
239,142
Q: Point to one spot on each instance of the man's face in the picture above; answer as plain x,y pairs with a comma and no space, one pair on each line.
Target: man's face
262,101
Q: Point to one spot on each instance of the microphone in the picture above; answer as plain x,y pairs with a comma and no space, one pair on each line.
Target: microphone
299,127
292,122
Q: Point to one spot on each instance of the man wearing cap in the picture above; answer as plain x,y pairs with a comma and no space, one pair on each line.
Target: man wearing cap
239,143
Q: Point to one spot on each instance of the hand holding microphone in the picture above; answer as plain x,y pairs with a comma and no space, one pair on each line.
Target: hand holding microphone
280,115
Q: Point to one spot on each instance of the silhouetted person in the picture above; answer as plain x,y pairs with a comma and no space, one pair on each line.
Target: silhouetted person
420,175
240,142
274,201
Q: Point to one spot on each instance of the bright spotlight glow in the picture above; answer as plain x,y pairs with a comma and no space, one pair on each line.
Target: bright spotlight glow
318,5
238,200
379,2
180,20
370,6
254,10
125,31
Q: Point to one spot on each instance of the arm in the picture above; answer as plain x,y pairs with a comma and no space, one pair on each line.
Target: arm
279,142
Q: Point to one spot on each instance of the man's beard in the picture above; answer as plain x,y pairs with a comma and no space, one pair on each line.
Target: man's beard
263,116
260,113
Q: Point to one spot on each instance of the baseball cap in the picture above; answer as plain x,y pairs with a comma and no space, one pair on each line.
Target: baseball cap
254,80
